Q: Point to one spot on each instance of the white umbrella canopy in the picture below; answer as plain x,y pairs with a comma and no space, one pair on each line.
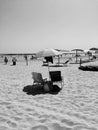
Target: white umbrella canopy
47,53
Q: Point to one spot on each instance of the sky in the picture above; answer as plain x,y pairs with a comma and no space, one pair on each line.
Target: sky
28,26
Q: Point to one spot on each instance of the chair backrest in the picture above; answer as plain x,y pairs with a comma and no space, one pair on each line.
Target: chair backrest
37,77
55,76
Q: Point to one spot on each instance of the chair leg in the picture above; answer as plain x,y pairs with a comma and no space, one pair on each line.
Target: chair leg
62,83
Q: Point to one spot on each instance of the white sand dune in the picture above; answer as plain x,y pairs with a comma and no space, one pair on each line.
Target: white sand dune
73,108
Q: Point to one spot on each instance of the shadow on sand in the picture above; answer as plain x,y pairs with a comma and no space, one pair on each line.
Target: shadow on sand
36,90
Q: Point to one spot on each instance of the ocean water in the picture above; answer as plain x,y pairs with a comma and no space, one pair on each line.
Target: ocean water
75,107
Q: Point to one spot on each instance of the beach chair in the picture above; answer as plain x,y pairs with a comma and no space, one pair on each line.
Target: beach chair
56,77
37,79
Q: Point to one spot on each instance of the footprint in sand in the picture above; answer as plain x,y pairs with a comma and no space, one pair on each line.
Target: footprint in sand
39,127
3,127
68,122
11,124
57,126
83,128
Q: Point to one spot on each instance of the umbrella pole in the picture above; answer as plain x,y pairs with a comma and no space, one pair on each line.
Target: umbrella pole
76,57
48,70
58,60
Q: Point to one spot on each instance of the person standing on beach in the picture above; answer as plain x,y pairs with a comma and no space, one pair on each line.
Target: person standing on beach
14,60
5,60
80,61
26,59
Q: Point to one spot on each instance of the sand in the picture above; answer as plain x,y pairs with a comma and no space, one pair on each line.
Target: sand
75,107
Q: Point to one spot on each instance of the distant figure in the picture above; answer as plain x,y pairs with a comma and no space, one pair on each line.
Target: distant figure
14,60
26,59
80,61
5,60
94,57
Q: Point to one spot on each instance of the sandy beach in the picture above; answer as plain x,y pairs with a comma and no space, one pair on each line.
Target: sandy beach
33,33
75,107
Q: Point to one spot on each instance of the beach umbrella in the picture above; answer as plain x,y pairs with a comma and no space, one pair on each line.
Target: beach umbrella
47,53
76,51
93,49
